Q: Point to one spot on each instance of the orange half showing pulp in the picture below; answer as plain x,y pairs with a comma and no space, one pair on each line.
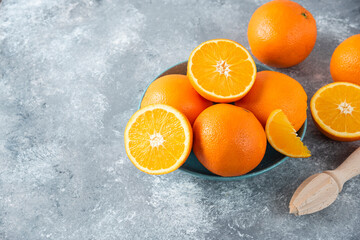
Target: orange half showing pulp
221,70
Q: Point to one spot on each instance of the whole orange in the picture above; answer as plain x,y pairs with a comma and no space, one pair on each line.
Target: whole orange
176,90
228,140
281,33
274,90
345,61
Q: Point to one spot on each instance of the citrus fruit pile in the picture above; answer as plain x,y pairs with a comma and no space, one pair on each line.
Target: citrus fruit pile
228,139
225,111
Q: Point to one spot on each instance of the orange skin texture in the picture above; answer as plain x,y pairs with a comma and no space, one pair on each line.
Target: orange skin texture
175,90
280,35
228,140
345,61
274,90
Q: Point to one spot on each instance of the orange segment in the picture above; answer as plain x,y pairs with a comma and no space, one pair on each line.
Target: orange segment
221,70
283,137
158,139
336,111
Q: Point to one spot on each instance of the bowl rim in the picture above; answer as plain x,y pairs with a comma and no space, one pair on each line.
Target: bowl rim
217,177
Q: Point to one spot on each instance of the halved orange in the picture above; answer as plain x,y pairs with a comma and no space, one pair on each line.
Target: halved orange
221,70
158,139
335,109
283,137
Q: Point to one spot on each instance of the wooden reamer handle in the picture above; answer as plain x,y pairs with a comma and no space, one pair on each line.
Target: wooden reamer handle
347,170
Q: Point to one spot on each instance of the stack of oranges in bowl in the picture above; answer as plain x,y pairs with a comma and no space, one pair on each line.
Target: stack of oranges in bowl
225,111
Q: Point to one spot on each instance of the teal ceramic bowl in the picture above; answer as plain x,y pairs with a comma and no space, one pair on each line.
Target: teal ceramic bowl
192,166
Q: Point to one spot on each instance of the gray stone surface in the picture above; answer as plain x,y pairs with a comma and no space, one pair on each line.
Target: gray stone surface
72,73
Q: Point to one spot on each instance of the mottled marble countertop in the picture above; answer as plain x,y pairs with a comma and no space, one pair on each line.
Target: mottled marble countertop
71,75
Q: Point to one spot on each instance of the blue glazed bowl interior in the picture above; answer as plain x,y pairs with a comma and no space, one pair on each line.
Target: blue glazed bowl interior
192,166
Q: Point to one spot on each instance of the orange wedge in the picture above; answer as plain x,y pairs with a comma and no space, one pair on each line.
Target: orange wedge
221,70
158,139
283,137
335,109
